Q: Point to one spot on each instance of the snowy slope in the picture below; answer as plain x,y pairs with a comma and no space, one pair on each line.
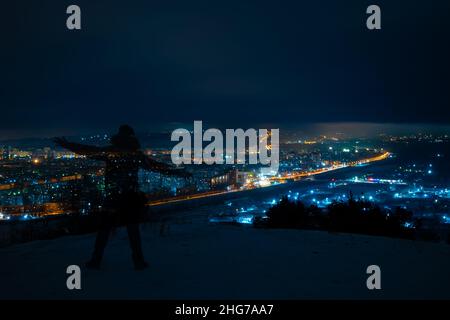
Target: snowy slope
193,259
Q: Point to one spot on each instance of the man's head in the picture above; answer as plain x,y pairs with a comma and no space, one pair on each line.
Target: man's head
125,138
126,130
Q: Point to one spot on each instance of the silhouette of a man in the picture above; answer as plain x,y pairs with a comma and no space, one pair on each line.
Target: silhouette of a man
124,204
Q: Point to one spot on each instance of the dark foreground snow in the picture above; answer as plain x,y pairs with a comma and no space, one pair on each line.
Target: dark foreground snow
200,260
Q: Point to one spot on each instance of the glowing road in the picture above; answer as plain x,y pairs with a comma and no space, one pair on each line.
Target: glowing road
282,179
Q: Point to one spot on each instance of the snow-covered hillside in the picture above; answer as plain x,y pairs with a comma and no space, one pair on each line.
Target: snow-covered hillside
190,260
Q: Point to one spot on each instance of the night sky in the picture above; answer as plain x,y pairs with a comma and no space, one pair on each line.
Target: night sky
233,63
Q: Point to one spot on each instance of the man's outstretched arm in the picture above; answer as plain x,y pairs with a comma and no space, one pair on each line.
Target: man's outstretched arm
78,148
164,168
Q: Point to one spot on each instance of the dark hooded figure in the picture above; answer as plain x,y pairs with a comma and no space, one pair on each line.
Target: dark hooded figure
124,204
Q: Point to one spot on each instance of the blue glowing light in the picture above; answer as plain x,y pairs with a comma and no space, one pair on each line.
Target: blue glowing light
245,219
408,225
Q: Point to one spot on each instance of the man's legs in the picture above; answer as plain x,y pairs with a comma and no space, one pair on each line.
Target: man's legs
134,237
100,244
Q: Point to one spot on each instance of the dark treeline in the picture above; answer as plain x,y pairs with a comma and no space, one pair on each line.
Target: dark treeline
351,216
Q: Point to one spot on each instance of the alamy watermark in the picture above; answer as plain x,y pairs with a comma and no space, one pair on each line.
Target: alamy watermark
259,146
373,21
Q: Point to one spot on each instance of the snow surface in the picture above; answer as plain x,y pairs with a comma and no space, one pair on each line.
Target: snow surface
192,259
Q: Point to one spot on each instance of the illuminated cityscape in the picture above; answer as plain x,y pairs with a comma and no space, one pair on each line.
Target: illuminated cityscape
37,183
